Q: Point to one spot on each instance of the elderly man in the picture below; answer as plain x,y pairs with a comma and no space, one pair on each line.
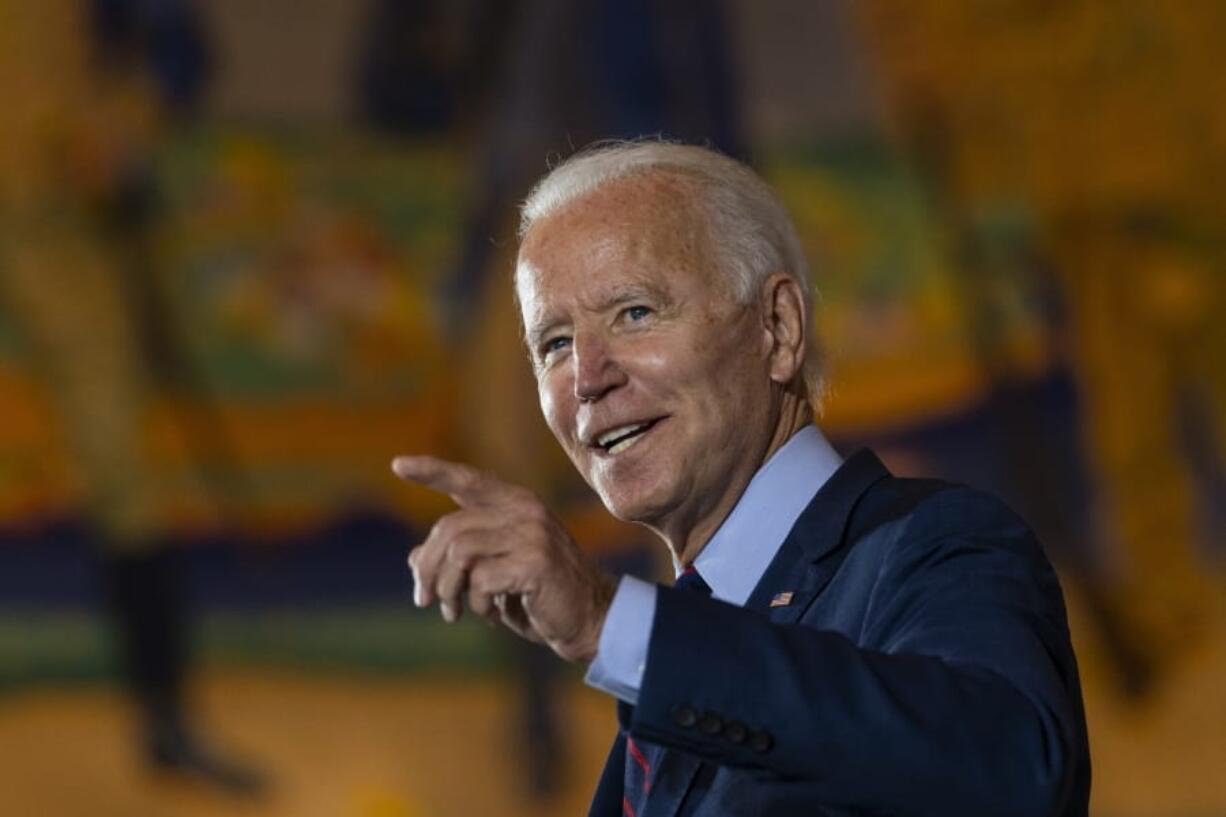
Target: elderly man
838,641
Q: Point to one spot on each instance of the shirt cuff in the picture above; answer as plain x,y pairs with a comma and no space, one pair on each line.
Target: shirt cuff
621,655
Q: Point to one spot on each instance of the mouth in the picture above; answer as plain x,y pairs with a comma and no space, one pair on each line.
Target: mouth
616,440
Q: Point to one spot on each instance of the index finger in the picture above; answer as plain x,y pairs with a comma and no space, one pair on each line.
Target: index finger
463,483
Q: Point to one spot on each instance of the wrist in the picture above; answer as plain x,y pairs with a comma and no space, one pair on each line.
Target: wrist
604,589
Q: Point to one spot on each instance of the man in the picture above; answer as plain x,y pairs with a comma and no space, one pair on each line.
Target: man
869,645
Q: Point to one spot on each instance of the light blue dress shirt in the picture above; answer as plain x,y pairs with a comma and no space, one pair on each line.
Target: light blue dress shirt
732,562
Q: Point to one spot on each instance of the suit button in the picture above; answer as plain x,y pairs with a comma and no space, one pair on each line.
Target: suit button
684,716
761,741
735,731
710,723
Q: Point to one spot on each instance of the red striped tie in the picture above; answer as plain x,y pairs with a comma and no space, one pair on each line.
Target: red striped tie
643,758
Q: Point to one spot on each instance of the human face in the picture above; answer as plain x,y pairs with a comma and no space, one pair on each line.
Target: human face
652,377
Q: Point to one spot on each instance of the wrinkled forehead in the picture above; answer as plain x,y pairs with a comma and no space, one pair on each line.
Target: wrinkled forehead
658,203
646,225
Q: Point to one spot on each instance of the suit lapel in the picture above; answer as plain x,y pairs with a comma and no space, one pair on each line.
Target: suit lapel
813,549
672,782
801,567
607,801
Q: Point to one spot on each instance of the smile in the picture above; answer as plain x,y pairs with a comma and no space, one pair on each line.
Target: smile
617,440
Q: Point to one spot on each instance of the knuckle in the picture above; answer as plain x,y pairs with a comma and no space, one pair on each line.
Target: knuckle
444,528
480,582
534,560
467,478
535,510
529,515
419,558
461,549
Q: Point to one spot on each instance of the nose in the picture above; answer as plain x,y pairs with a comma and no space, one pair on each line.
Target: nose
597,371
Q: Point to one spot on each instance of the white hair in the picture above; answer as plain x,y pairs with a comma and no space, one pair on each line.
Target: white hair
750,231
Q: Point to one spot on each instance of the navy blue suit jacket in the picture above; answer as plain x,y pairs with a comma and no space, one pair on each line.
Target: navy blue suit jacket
921,667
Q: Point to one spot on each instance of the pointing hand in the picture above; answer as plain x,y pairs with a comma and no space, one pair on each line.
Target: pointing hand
510,557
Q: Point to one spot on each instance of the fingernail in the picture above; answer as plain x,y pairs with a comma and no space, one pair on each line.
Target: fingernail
417,594
448,613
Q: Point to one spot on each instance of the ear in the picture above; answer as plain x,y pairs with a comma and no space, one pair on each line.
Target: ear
784,314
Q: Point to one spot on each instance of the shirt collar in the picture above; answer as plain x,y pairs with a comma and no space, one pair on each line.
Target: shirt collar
735,558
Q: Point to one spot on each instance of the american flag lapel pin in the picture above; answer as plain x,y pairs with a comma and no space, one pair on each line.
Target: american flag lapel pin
782,599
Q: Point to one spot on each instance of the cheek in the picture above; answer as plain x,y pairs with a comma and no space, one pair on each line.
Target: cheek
556,407
723,363
729,378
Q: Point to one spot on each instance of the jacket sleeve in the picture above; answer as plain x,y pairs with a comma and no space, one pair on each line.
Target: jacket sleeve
957,695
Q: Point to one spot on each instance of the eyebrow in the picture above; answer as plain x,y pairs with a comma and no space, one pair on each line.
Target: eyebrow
602,302
625,293
537,335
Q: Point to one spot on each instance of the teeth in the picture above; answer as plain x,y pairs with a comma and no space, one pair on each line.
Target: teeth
624,444
609,436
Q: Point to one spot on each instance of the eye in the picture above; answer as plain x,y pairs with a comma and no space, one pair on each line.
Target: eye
554,344
636,313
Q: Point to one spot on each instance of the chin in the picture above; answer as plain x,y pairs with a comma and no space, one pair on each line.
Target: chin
633,503
639,489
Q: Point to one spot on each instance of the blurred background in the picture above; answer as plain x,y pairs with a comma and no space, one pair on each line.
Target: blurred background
251,250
